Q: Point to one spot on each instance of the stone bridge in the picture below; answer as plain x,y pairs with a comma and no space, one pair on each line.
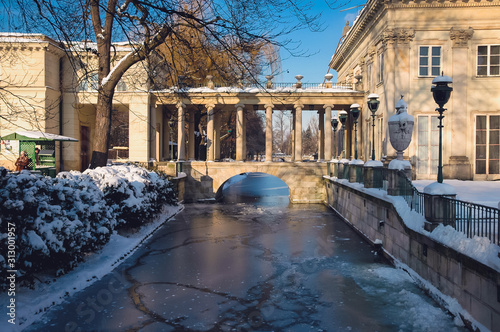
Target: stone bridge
205,180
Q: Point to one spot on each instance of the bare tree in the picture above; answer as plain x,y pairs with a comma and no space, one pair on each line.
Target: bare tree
281,129
310,137
227,25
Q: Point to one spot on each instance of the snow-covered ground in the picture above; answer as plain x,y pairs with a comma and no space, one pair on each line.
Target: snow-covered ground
480,192
32,303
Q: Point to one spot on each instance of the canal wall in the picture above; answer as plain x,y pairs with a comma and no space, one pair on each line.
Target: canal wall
474,285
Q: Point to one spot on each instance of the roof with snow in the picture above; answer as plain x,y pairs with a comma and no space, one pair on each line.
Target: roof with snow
21,135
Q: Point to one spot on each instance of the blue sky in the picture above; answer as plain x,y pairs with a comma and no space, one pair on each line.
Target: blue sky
320,45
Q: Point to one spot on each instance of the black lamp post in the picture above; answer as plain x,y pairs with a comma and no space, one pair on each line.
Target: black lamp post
355,114
335,124
441,93
373,103
343,119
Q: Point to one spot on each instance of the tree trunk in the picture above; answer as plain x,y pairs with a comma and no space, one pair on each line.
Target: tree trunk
102,129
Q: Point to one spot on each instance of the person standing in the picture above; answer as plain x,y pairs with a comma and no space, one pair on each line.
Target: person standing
22,162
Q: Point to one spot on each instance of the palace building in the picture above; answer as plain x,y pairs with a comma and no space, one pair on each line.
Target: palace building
396,48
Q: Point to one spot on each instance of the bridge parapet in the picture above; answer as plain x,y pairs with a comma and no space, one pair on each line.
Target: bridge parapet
304,179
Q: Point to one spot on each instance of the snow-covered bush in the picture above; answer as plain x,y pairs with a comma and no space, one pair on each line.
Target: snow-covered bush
134,193
57,220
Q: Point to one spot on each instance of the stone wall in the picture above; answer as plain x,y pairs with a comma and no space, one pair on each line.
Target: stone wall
473,284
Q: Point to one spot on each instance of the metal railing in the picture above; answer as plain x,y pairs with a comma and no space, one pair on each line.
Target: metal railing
469,218
474,219
414,198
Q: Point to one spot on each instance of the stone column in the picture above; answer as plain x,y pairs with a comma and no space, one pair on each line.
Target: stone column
293,136
269,132
217,118
139,129
328,131
210,132
298,132
166,135
459,166
158,132
191,142
181,139
158,142
321,135
240,153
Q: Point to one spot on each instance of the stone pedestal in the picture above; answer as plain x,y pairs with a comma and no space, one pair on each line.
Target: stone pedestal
438,209
459,167
343,169
356,171
333,168
372,176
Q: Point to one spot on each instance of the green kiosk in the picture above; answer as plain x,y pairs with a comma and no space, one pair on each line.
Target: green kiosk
45,142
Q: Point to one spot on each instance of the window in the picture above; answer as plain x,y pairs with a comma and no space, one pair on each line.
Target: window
121,86
488,144
488,60
90,83
429,61
381,67
428,145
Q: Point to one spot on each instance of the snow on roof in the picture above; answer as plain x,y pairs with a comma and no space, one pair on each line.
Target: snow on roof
33,135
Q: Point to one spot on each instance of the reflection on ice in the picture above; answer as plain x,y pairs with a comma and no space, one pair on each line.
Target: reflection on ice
256,187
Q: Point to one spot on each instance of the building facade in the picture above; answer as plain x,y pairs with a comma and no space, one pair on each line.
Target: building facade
396,47
52,88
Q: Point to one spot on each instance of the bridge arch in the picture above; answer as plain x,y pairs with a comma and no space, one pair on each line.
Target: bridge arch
219,192
304,179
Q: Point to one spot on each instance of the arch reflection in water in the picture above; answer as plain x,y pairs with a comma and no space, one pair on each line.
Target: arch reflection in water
259,188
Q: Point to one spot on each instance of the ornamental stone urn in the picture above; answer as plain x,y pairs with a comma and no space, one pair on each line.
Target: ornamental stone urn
401,128
400,131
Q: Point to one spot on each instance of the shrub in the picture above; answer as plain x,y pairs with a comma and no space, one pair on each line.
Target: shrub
58,220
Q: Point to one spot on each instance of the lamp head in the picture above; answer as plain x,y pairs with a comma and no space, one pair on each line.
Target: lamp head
335,124
373,102
355,111
343,117
441,91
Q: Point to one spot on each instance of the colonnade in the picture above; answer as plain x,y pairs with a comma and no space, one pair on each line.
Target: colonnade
213,131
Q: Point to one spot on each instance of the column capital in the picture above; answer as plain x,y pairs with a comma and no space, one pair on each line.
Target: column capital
461,37
239,106
209,106
298,105
266,106
330,106
180,104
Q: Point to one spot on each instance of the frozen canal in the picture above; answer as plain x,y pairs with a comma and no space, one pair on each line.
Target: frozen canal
252,264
